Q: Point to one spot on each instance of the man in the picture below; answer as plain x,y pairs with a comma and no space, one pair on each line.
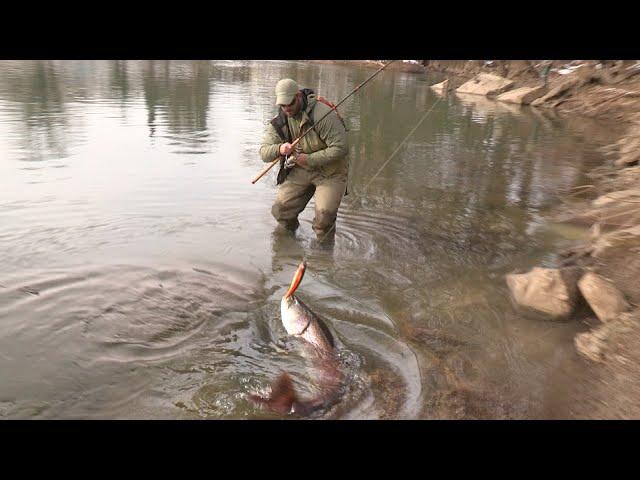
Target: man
319,164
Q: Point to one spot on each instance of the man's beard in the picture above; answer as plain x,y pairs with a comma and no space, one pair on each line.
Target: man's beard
293,112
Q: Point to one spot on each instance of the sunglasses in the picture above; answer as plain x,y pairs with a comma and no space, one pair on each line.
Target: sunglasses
290,104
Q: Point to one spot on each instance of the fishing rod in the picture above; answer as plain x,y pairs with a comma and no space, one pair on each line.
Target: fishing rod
297,140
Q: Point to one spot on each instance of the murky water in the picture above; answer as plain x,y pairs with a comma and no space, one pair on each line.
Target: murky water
141,276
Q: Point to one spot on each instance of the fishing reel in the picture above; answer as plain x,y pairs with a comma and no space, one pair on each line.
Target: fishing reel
290,160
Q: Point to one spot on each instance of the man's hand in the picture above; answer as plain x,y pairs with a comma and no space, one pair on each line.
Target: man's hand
301,158
286,149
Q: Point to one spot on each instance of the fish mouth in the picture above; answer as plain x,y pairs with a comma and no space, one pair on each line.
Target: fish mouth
297,278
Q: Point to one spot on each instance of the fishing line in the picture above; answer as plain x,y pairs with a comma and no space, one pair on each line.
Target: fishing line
401,143
383,165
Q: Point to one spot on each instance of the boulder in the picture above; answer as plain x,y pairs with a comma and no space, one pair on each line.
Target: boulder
442,87
602,296
486,84
552,292
523,95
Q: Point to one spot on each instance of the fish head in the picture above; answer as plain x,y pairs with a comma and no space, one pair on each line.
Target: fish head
294,317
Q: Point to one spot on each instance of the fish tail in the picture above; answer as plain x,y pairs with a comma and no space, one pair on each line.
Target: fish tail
282,398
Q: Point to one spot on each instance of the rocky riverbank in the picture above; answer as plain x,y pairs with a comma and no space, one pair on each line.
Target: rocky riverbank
595,281
598,276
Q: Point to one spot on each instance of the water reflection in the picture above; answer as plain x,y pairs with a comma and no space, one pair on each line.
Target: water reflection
39,92
177,97
120,79
164,274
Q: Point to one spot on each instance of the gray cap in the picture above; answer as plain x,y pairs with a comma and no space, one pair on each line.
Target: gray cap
286,89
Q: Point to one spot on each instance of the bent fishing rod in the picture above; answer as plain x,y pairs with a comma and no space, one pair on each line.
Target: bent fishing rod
297,140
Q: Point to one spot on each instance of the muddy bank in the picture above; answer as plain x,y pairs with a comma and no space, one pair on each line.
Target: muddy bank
595,281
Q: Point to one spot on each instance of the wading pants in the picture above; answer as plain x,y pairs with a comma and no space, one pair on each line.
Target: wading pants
296,191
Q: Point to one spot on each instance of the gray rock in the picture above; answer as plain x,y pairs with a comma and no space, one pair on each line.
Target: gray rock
522,96
486,84
602,296
551,292
442,87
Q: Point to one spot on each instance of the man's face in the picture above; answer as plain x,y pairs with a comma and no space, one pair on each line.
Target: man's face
294,107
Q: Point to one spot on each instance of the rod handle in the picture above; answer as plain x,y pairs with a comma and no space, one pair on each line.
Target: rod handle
266,169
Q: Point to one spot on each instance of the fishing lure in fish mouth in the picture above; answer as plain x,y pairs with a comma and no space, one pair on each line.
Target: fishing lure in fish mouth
297,278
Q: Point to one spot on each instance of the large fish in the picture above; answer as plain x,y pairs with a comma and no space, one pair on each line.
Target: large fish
300,321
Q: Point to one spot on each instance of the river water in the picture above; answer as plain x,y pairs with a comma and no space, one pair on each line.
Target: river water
141,274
